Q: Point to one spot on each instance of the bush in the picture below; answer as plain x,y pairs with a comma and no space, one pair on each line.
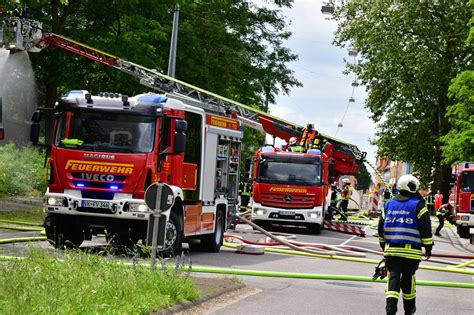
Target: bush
21,171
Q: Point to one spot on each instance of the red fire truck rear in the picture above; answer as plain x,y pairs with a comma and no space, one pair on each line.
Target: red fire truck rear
108,149
463,176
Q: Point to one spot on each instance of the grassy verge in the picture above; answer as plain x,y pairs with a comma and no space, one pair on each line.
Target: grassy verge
33,216
88,284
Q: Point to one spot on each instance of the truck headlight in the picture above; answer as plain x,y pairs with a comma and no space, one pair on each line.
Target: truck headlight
56,201
314,215
137,207
259,211
142,208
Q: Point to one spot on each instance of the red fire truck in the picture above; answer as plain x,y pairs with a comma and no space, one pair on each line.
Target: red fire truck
107,149
295,188
463,177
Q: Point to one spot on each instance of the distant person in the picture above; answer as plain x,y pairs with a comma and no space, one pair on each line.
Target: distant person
404,228
445,212
245,191
346,196
438,200
293,146
429,199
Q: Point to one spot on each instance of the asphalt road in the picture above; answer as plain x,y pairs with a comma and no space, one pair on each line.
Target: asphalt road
302,296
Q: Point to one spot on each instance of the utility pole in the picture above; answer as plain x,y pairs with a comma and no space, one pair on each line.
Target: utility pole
174,43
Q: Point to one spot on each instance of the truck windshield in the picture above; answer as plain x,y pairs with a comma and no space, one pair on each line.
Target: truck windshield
467,181
305,172
105,132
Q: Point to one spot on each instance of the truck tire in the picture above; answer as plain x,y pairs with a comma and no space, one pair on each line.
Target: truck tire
174,235
59,236
213,242
315,228
463,231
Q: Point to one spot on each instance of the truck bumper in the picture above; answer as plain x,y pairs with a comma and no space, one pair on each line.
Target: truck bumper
466,220
71,203
289,216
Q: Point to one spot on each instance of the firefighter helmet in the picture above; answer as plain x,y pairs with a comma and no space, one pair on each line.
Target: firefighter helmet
292,141
408,183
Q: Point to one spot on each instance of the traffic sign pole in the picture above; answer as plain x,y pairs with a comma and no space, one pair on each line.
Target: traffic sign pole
156,216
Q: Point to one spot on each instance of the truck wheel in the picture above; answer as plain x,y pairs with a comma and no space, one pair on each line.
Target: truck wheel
57,235
174,234
463,231
213,242
315,228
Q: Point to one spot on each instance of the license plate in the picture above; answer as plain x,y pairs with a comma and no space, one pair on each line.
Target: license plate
96,204
471,231
283,212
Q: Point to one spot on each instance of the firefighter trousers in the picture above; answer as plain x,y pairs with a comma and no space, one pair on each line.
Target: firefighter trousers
401,275
441,223
244,201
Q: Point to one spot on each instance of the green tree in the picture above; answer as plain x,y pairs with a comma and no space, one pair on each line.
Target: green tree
459,142
409,52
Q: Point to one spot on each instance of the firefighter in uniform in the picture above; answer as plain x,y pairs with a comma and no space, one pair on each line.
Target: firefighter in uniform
293,146
404,228
445,212
346,196
429,198
245,191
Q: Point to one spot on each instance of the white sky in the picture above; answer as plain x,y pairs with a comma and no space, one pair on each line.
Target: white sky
326,90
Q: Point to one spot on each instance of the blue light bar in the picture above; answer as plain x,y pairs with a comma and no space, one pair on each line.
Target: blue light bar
152,98
114,187
80,185
314,151
76,93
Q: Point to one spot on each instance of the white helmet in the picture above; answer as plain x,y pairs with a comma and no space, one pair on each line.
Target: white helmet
408,183
292,140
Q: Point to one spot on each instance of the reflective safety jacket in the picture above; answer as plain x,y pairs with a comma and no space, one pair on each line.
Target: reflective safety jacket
346,193
295,148
245,189
429,199
404,227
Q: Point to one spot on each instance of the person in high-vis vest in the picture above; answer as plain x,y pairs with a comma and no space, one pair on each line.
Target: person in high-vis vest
345,196
293,146
245,191
445,212
429,199
404,228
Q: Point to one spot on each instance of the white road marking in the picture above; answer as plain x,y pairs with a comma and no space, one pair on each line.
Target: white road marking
347,241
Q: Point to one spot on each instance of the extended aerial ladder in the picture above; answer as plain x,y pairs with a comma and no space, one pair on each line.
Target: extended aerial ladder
20,34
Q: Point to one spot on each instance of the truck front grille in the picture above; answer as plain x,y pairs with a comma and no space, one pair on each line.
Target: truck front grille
103,195
296,202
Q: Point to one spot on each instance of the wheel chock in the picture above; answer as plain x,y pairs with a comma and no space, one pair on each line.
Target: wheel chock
344,228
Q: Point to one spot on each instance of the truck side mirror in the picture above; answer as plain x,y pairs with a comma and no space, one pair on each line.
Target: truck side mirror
34,133
179,145
35,127
331,170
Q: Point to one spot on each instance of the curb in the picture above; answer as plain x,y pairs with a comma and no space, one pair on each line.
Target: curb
206,296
